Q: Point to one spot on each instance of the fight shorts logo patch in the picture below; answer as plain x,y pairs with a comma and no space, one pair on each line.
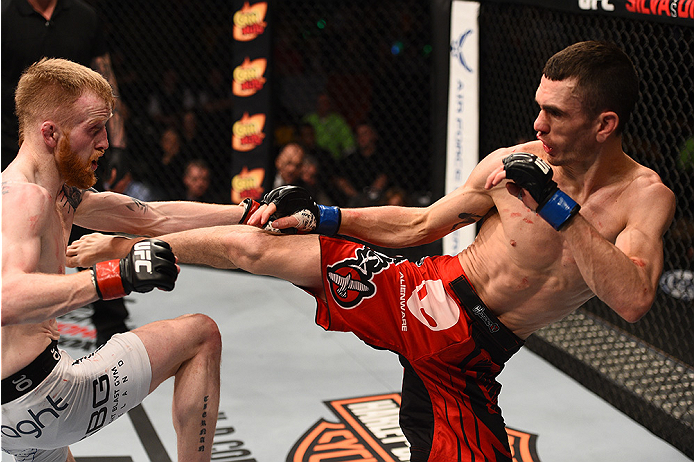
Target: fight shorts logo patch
368,429
433,307
480,312
351,279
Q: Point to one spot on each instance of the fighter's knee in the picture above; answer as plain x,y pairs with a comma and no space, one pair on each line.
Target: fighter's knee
208,325
206,330
246,248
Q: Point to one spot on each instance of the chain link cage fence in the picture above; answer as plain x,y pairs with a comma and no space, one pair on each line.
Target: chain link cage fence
173,63
646,369
373,60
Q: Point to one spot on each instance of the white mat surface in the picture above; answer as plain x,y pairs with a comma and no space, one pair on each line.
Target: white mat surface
279,369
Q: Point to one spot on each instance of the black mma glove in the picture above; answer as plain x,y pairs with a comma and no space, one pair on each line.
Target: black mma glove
297,202
535,175
150,264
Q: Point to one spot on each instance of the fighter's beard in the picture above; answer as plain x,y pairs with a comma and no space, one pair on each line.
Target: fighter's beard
72,170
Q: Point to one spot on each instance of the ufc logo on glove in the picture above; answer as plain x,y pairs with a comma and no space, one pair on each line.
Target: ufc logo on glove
150,264
142,256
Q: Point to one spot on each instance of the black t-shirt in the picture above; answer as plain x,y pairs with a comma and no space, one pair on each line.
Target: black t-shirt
361,171
73,33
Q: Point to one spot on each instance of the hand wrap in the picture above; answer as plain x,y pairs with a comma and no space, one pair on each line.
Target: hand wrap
535,175
150,264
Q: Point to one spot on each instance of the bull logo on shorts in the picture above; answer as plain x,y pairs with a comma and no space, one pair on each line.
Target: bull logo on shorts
350,279
346,283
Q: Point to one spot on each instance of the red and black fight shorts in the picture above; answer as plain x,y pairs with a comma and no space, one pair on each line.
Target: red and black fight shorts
451,346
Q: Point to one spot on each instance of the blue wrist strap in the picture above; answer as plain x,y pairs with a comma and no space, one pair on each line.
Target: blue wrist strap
559,209
329,220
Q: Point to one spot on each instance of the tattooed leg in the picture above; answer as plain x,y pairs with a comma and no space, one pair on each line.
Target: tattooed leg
189,349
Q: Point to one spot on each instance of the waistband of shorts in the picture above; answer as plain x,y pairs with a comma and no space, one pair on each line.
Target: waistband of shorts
22,382
504,343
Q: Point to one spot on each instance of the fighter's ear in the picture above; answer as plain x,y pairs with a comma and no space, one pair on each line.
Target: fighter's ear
50,133
608,122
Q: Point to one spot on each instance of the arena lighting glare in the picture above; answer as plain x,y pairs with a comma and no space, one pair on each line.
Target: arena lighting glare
396,48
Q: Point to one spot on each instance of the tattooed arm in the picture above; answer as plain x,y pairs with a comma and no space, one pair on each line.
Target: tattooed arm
113,212
70,197
392,226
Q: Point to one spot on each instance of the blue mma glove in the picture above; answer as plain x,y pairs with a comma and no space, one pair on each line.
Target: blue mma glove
535,175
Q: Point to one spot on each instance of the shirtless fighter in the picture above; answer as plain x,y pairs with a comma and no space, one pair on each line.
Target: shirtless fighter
563,219
48,400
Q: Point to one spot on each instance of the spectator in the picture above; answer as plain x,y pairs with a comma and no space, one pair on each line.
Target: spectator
195,140
307,139
333,133
216,99
166,178
363,176
169,99
395,196
313,178
110,315
119,178
215,102
288,165
51,28
32,30
215,119
196,182
190,128
326,165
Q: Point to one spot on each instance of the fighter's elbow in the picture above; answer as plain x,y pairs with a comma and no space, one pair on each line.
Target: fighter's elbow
423,229
633,316
15,311
22,305
636,308
8,315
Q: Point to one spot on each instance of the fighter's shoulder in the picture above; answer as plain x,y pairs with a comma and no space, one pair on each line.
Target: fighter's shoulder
646,182
26,207
25,194
531,147
493,159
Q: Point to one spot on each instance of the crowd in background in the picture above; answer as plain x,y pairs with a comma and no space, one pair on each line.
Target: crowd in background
176,155
350,89
177,97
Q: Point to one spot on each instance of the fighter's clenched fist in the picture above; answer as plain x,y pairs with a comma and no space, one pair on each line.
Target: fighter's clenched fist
295,202
535,175
150,264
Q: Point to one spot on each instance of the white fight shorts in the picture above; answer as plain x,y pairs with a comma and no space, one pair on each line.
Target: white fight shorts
75,400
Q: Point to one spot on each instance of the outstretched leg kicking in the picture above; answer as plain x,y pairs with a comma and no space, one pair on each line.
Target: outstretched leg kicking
295,258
